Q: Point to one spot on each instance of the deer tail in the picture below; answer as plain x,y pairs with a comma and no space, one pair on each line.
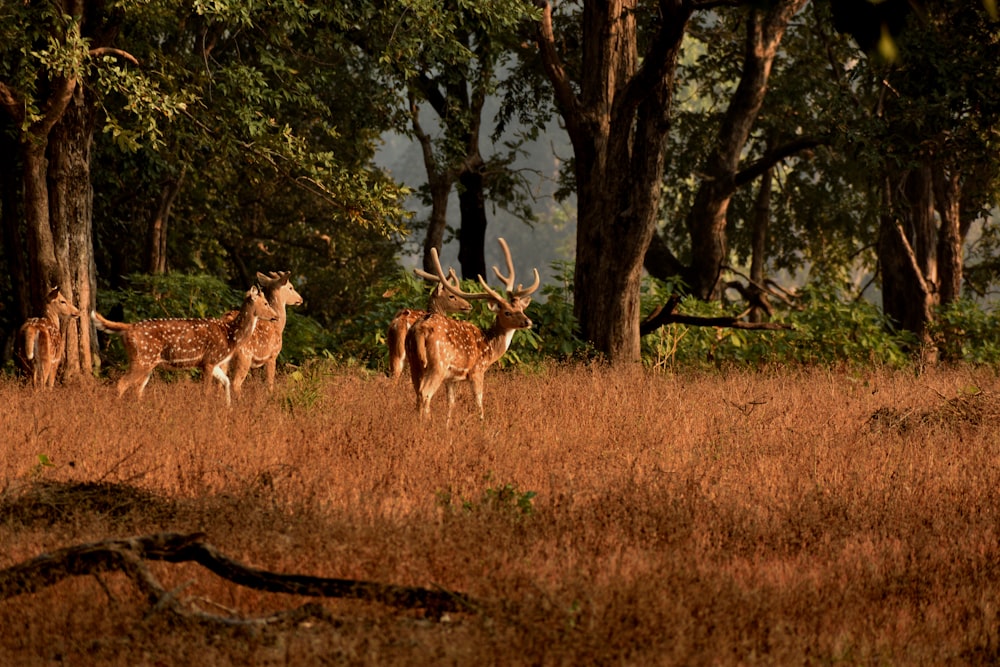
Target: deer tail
107,326
30,342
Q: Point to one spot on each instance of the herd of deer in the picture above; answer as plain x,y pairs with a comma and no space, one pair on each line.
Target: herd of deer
439,349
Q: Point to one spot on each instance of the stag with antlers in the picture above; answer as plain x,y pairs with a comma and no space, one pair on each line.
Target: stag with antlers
440,301
186,343
263,347
41,339
443,350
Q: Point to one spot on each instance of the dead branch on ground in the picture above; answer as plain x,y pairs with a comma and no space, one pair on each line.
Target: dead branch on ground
129,555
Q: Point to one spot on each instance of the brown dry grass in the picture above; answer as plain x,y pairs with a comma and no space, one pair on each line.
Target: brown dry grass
786,517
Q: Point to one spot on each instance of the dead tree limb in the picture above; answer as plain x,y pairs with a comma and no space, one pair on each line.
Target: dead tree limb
129,556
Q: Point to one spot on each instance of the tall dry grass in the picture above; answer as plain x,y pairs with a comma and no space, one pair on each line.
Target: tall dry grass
785,517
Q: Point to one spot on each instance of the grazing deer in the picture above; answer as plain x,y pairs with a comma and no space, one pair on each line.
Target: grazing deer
443,350
263,347
440,301
186,343
41,339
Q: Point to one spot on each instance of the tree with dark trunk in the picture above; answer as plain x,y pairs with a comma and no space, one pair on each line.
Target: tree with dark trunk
617,116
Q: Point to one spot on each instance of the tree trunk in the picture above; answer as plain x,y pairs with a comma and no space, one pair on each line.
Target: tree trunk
908,300
156,231
761,218
947,197
472,208
437,222
707,219
618,124
71,214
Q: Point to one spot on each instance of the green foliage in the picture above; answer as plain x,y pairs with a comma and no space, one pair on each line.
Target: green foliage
304,386
966,331
505,500
170,295
827,329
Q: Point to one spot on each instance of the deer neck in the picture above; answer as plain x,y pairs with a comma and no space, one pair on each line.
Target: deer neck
52,314
278,304
497,338
241,328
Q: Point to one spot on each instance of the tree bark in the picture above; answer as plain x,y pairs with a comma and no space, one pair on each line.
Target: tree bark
761,218
947,199
71,213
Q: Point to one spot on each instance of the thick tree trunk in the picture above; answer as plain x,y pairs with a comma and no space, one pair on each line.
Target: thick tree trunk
71,215
437,222
618,124
42,259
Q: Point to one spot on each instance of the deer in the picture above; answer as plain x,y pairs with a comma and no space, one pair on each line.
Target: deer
263,347
186,343
446,351
440,300
41,339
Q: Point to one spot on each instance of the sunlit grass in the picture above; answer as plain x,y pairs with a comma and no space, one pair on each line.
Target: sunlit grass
780,517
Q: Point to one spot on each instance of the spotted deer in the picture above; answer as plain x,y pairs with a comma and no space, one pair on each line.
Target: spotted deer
440,301
186,343
41,339
448,351
263,347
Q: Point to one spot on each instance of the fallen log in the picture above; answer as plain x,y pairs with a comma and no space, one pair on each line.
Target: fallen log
129,556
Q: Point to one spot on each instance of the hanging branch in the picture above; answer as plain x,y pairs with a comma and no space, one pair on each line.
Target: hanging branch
129,555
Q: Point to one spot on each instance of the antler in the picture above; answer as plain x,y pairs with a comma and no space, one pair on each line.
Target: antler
272,278
456,288
509,279
452,276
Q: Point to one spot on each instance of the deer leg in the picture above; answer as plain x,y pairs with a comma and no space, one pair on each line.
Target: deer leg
451,401
429,384
477,393
270,371
221,376
241,368
396,340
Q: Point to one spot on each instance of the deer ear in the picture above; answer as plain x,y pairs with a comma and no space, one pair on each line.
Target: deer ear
53,292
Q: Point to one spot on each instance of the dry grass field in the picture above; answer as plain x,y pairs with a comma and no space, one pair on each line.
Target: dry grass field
595,517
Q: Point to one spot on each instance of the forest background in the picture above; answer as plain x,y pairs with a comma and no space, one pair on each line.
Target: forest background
156,155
